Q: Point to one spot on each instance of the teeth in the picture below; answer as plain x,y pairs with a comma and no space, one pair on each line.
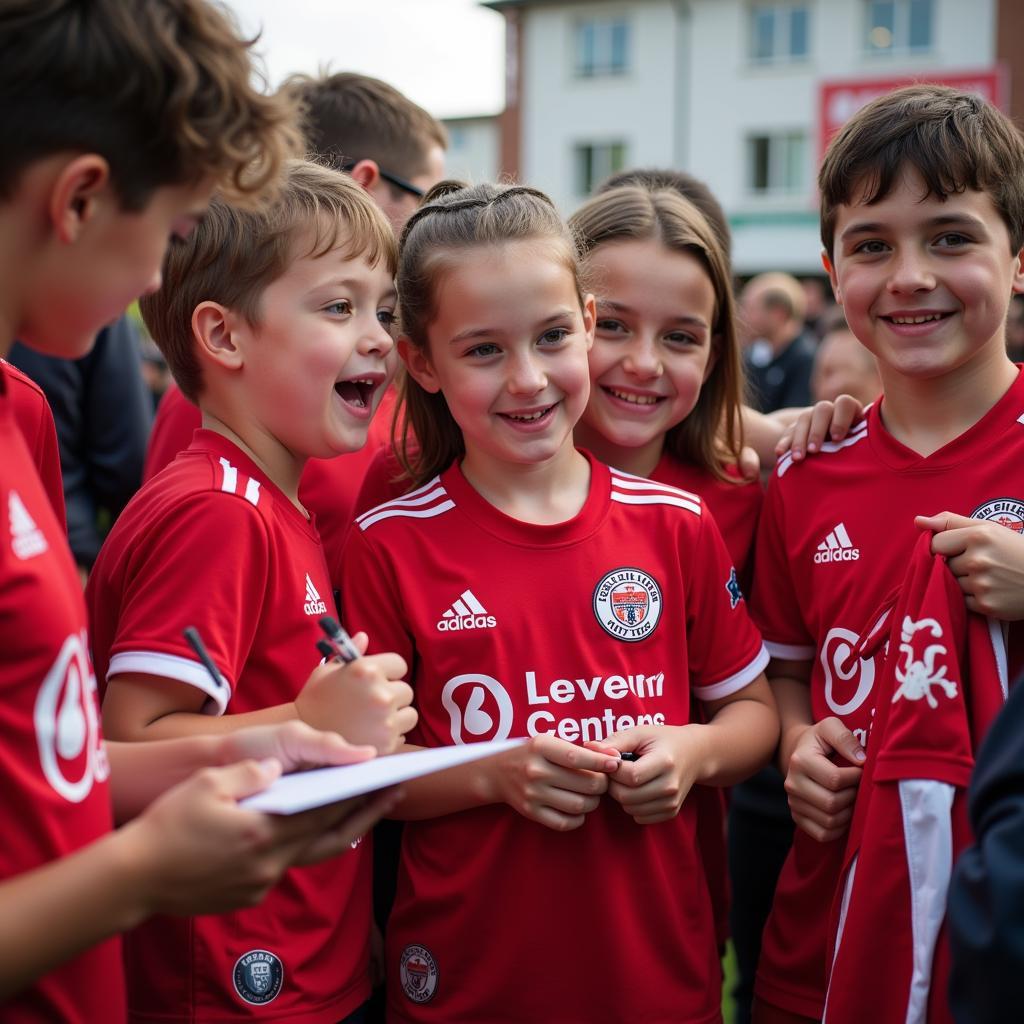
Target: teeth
916,319
634,399
528,418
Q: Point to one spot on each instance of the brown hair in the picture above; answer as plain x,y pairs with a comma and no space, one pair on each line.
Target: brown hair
455,218
233,254
160,88
633,212
349,117
654,179
954,140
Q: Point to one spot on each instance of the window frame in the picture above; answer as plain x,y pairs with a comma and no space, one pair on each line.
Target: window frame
901,45
603,46
782,31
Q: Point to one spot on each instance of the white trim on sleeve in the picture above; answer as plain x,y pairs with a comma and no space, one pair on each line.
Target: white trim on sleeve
171,666
789,652
928,835
735,682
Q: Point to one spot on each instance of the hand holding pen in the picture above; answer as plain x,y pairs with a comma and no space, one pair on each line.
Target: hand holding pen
363,697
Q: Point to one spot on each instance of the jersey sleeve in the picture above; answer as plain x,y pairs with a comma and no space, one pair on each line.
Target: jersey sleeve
774,603
725,648
371,597
175,422
206,569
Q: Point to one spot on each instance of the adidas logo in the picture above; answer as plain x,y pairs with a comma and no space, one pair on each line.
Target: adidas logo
466,613
837,547
27,539
314,603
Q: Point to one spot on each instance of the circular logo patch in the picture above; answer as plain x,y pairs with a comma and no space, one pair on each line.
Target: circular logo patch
1008,512
627,603
258,976
418,973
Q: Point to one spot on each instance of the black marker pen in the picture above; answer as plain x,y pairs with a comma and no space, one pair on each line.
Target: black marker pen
629,755
195,641
344,648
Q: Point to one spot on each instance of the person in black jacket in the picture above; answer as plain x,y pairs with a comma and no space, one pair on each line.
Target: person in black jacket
103,414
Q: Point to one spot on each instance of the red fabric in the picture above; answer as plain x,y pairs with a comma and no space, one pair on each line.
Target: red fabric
53,772
816,585
211,542
942,684
34,418
497,918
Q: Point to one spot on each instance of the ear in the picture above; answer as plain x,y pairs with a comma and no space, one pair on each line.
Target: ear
366,174
832,277
1018,274
417,362
589,308
76,193
214,328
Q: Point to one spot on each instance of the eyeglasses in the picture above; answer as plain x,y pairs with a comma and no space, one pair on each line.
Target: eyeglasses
392,179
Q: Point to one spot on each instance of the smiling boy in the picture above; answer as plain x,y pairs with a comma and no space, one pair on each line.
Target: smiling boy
277,322
923,226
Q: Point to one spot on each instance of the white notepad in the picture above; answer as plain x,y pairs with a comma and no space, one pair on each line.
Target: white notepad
303,790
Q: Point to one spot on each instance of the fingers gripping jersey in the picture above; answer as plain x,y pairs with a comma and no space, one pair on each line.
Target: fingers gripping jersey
575,630
211,542
943,681
53,768
836,534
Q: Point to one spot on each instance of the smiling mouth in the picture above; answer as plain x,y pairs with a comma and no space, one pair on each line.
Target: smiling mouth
527,417
923,319
357,392
633,399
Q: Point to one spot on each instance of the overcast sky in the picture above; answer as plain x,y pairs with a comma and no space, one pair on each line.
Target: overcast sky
447,55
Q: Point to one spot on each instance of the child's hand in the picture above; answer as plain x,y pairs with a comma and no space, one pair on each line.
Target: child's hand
196,851
808,431
653,788
821,792
367,701
987,560
551,781
294,744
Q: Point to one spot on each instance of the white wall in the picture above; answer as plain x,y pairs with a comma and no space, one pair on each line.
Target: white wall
473,149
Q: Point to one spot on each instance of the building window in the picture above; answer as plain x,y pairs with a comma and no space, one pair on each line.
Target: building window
779,32
602,47
776,164
899,26
596,161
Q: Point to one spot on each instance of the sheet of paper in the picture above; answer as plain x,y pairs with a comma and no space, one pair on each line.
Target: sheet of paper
303,790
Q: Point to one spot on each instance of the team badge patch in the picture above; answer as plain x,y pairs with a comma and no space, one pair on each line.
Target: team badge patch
627,603
733,587
258,976
418,973
1008,512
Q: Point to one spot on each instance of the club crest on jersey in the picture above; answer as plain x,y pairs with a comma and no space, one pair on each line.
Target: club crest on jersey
258,976
418,973
1008,512
732,586
627,604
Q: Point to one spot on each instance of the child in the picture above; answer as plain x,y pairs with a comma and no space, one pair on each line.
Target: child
539,593
665,368
277,322
923,224
100,166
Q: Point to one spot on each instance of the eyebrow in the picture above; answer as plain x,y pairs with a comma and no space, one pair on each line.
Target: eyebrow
619,307
487,332
943,221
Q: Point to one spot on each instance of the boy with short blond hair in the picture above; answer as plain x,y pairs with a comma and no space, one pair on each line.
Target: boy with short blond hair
923,225
119,119
278,322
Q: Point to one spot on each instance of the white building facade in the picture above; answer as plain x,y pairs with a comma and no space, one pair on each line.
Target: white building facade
740,93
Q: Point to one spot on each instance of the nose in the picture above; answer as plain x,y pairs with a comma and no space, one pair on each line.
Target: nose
642,359
910,271
376,339
525,375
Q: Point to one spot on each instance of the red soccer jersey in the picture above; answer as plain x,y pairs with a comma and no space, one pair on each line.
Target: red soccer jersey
328,487
943,682
836,535
609,620
211,542
53,770
32,414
